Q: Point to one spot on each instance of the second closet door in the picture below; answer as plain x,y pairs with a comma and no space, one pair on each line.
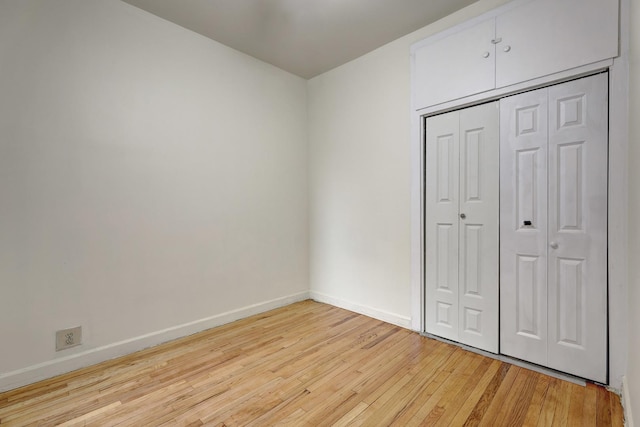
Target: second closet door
553,227
461,226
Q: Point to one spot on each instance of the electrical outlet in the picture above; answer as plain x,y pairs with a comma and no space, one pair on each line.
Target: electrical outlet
67,338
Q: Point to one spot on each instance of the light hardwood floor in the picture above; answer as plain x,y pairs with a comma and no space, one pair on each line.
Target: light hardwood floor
308,364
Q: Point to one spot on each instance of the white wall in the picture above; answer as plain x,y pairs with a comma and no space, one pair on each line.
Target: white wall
633,371
149,178
360,178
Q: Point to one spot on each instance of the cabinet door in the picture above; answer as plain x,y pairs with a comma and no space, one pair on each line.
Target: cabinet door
459,65
578,227
441,225
523,226
547,36
478,263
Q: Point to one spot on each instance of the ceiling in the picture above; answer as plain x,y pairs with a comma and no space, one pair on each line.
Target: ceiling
304,37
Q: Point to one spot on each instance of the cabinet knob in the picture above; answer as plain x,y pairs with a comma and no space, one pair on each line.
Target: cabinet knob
553,245
463,216
485,55
507,48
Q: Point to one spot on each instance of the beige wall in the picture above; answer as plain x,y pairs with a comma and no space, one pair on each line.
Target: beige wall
360,178
149,178
633,373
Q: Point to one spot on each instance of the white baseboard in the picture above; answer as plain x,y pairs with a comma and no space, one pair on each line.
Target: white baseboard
385,316
626,403
41,371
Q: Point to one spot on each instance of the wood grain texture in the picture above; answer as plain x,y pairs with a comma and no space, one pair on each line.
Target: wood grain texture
307,364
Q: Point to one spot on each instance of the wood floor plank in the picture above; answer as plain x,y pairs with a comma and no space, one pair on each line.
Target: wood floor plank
514,409
589,405
479,383
307,364
456,392
398,407
603,408
350,394
347,418
288,406
576,406
490,417
429,383
441,387
561,413
82,420
617,415
477,415
537,400
547,411
336,397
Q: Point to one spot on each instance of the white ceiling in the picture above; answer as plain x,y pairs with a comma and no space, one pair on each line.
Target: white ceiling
304,37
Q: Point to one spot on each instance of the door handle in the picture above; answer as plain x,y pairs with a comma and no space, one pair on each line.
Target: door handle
553,245
463,216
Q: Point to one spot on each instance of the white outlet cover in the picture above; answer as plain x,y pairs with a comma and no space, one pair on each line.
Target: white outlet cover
67,338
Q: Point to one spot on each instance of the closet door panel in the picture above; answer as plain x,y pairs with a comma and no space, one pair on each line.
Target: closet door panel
523,226
441,225
578,227
478,265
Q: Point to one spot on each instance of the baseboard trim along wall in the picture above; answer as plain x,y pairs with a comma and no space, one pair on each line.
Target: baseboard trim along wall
41,371
385,316
626,403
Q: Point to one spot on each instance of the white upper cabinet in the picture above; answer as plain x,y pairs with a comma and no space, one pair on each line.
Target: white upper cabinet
459,65
512,45
543,37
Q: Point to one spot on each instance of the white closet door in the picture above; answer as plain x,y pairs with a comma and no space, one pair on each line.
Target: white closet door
553,272
441,225
578,227
478,253
523,226
461,226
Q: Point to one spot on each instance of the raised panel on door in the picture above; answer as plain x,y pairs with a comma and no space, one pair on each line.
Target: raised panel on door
459,65
578,227
523,226
547,36
478,259
441,225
